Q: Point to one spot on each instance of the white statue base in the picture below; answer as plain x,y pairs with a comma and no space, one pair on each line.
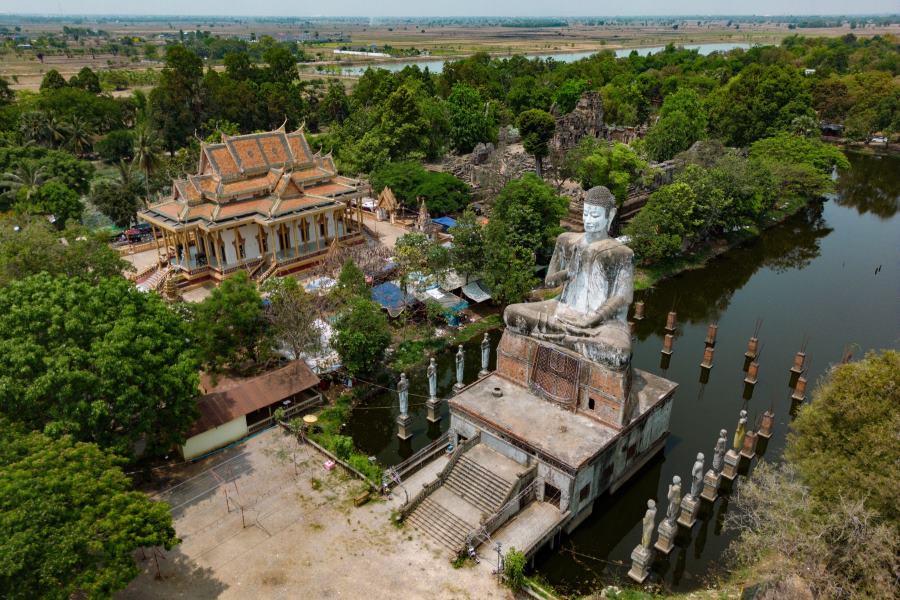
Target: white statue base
457,387
666,539
710,486
483,373
434,410
640,563
403,431
689,508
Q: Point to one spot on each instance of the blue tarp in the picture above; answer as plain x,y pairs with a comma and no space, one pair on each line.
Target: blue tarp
445,222
390,296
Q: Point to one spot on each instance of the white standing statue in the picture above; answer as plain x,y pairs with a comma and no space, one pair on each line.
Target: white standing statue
721,448
674,498
460,366
403,392
697,476
485,354
432,379
649,522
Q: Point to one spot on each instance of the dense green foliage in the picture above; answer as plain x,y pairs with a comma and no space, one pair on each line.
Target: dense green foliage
527,213
229,328
682,121
467,255
616,166
514,568
470,119
100,361
843,442
417,256
799,165
828,516
536,127
361,336
70,520
443,193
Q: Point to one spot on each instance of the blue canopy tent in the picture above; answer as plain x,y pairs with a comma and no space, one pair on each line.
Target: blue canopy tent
445,222
391,297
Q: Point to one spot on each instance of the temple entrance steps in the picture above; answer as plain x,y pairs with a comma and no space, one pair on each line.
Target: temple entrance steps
445,527
477,485
154,280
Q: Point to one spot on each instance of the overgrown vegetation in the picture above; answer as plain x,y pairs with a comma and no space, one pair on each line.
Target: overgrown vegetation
327,433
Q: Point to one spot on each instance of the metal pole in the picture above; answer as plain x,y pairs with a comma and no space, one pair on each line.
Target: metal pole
499,558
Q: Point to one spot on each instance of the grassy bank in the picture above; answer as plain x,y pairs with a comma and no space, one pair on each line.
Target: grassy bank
328,435
411,353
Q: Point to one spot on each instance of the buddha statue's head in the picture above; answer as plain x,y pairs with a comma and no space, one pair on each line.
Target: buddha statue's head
599,211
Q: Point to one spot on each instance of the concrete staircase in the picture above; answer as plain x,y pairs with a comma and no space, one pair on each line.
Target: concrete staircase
443,526
154,280
476,486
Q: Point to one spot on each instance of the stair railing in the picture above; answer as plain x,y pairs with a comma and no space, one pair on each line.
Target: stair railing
428,488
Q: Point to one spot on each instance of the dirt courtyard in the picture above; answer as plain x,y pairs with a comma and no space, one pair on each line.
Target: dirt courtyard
301,535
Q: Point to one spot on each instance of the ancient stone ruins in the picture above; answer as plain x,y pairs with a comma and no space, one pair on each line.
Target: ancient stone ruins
563,419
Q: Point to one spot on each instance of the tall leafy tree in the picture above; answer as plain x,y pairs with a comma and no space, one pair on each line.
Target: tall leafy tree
119,198
361,336
470,120
175,107
71,522
682,121
537,127
292,313
527,213
510,270
230,327
596,162
54,200
32,246
147,155
87,80
79,135
53,81
416,253
467,254
101,361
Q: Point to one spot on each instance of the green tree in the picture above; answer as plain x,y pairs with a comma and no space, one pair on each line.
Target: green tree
415,253
292,313
56,200
86,80
175,101
53,81
101,361
443,193
32,246
800,166
470,120
146,155
537,127
361,336
23,183
7,95
79,135
568,94
334,107
514,568
682,121
351,283
230,327
667,223
467,254
510,270
760,101
616,166
71,522
116,145
119,198
843,442
527,213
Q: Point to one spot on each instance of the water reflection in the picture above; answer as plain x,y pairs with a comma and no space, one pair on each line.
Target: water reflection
699,298
872,185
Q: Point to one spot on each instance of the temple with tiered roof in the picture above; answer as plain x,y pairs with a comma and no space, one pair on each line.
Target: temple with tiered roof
262,202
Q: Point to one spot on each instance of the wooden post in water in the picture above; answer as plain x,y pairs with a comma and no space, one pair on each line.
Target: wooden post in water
711,333
671,321
707,358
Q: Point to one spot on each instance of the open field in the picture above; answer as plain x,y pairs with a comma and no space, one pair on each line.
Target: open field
25,71
301,536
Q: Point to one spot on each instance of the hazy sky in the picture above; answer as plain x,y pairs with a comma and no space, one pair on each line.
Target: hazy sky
454,8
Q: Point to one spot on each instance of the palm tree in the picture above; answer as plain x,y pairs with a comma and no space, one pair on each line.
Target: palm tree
54,131
31,125
29,175
146,155
80,134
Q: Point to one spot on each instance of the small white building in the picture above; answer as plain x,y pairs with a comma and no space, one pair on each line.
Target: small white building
233,408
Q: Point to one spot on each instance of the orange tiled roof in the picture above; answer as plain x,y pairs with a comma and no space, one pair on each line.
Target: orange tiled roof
327,189
288,206
246,207
221,160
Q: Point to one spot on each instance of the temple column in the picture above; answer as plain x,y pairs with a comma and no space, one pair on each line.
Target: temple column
209,255
295,244
315,221
217,243
274,240
156,243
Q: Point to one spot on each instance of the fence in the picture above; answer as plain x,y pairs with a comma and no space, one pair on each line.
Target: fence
421,458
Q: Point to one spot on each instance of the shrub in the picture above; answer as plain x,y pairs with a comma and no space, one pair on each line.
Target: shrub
514,568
